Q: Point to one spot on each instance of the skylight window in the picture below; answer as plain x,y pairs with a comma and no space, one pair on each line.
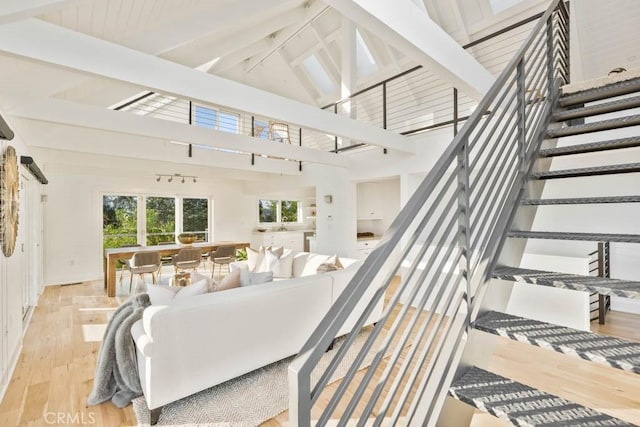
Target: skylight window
319,75
498,6
364,59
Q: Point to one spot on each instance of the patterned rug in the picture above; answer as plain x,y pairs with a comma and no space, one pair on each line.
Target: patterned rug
248,400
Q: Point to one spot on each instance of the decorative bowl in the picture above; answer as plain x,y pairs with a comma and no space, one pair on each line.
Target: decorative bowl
187,238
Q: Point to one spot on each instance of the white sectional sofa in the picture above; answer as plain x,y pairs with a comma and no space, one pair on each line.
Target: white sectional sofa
204,340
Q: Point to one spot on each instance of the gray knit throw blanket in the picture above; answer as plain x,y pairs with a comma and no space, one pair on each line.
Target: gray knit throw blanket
116,377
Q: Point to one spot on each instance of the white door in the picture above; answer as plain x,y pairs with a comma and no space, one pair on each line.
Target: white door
22,244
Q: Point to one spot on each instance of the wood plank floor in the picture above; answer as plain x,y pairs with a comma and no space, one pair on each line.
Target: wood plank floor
55,370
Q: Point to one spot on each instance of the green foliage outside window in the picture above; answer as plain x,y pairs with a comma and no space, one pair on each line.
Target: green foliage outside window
278,211
288,211
195,217
268,210
161,220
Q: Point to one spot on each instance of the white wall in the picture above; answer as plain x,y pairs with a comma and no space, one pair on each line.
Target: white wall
388,201
603,218
73,211
13,276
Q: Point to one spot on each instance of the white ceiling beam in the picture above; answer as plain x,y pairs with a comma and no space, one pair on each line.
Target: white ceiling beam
401,24
208,48
74,114
49,43
312,13
233,59
15,10
215,21
122,150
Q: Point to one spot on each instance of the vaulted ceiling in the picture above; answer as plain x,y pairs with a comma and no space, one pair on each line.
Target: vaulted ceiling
291,48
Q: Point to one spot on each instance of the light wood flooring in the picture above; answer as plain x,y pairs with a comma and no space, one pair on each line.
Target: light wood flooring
56,366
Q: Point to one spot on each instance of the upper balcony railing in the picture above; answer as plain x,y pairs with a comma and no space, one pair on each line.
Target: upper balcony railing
409,103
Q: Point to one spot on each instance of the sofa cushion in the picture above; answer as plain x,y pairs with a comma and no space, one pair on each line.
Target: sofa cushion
196,277
230,281
312,264
281,266
331,264
250,278
254,258
165,295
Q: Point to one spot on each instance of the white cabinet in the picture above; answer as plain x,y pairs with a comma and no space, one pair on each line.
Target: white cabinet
369,201
364,247
289,239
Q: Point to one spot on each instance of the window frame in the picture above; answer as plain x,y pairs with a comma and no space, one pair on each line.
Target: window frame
141,225
216,112
279,210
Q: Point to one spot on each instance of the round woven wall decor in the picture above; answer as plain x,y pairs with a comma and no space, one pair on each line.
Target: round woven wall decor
9,188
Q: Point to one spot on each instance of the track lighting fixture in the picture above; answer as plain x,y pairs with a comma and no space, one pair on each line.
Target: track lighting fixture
178,176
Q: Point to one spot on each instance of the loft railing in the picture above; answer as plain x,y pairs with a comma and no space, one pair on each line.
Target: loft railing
600,266
433,264
411,102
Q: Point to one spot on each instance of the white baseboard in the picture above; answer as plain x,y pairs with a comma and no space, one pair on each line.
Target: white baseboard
625,305
6,377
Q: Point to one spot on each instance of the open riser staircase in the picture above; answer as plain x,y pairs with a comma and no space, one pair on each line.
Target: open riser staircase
435,270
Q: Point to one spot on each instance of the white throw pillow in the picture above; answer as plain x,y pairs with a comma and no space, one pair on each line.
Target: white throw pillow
164,295
282,266
312,263
196,277
250,278
332,264
254,258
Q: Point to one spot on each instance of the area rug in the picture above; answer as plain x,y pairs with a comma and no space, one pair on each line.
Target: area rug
248,400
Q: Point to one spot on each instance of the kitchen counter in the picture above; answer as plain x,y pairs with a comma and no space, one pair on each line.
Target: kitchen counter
374,237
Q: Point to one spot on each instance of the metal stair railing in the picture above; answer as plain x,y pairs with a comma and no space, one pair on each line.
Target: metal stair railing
443,243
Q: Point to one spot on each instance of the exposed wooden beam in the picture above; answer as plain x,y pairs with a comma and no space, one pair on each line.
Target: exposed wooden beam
214,21
208,48
74,114
49,43
313,12
124,149
420,38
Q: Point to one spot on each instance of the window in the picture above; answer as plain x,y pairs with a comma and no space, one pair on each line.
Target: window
119,221
261,129
149,220
272,211
212,119
195,217
365,62
228,122
498,6
161,220
205,117
319,75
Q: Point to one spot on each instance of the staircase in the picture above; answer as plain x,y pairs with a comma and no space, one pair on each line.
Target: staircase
493,393
465,226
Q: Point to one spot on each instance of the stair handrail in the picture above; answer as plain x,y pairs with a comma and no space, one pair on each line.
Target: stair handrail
542,61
